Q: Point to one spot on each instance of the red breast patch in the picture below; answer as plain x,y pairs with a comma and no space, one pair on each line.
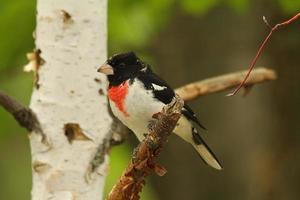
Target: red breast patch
117,94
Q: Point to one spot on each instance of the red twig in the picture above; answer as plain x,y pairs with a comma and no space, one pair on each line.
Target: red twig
261,48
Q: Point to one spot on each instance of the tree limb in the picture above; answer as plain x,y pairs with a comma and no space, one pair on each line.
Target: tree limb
224,82
143,162
23,115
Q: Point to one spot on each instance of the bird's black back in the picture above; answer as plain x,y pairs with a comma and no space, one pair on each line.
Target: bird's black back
167,94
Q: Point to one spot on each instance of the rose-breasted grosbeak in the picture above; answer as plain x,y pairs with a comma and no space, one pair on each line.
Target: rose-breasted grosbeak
135,94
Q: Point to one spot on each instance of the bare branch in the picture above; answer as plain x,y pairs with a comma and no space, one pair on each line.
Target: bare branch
23,115
224,82
143,162
261,48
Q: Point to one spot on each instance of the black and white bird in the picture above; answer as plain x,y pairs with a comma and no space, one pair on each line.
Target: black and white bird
135,94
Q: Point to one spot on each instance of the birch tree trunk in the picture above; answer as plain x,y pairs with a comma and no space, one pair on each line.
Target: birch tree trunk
71,38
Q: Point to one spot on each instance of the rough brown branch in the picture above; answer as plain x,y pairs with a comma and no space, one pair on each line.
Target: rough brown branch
23,115
143,162
224,82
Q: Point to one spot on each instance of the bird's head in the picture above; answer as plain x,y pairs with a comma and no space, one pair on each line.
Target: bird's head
122,67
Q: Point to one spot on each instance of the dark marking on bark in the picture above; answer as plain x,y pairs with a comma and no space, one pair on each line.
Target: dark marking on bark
74,132
97,80
67,18
40,167
101,92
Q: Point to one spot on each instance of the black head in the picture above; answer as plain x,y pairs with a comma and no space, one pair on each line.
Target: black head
122,67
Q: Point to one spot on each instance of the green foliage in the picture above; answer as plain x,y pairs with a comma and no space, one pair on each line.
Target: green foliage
290,6
17,19
131,24
15,167
198,7
238,5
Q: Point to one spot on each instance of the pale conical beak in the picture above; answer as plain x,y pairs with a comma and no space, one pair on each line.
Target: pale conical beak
106,69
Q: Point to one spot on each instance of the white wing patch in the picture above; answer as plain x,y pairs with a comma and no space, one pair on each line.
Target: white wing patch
158,87
144,69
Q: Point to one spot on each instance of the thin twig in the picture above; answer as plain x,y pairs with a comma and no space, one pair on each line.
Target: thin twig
261,48
143,162
23,115
224,82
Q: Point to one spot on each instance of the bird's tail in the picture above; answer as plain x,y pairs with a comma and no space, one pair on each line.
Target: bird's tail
205,153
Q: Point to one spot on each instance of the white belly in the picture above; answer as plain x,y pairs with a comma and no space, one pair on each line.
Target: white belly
140,106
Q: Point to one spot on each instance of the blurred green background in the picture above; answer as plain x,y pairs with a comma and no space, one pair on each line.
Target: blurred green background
257,138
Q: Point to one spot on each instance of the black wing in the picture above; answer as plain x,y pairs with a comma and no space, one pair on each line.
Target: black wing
166,93
190,115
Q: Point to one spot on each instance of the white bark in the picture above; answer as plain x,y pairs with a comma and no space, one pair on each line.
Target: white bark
72,38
